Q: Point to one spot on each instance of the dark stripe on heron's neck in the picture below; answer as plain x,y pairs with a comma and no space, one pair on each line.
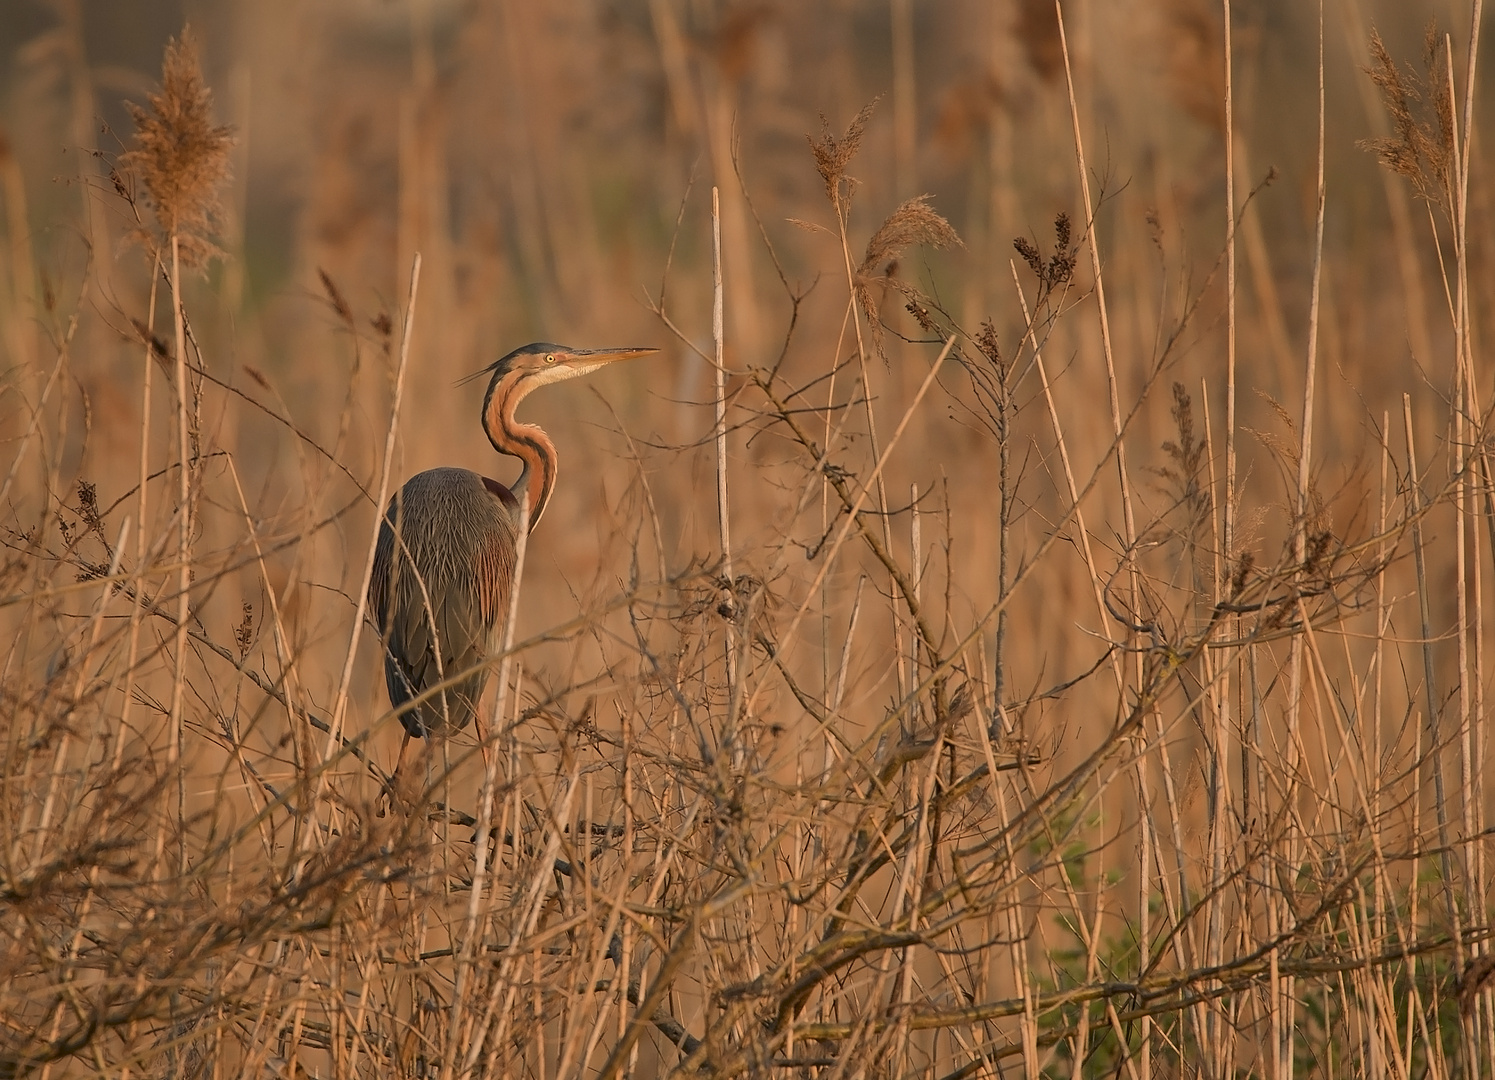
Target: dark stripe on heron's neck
527,442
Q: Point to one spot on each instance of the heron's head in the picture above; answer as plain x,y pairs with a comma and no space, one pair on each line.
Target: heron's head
545,362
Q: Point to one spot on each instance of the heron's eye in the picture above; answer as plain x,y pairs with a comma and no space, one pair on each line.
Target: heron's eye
550,358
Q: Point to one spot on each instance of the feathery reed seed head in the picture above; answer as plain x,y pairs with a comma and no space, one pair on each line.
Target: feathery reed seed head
914,222
832,155
179,153
1421,147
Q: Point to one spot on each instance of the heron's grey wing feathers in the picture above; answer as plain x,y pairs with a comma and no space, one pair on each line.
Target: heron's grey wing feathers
443,566
495,573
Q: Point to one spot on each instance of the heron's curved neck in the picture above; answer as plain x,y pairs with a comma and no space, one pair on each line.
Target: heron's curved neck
524,441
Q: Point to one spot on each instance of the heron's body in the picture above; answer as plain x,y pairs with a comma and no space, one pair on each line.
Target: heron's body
444,563
440,600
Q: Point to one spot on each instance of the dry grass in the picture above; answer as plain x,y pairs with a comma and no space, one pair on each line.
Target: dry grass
1059,695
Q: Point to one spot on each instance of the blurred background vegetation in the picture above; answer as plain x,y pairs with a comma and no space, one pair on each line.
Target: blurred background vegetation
538,155
548,158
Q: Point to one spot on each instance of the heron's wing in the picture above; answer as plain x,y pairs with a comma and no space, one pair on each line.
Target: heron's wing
461,628
440,584
379,578
460,637
397,599
493,572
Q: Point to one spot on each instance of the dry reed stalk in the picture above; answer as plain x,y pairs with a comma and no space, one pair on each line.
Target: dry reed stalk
182,159
832,155
1378,713
142,502
1022,971
916,574
1215,1034
473,927
1128,513
1217,682
719,399
1228,508
1403,239
907,893
1431,754
1090,936
1471,683
1466,397
1283,993
1072,490
175,746
1462,506
1100,293
386,468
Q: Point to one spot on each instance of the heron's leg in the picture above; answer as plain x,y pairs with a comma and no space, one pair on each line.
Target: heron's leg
392,782
400,760
482,735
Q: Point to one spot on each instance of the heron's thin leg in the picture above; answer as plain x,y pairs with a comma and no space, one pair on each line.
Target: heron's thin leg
392,782
482,741
404,745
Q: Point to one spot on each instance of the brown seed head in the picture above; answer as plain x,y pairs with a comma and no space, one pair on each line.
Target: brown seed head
832,155
1421,147
335,297
914,222
180,155
986,341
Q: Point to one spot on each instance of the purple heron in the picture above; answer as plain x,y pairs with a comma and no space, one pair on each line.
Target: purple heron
444,562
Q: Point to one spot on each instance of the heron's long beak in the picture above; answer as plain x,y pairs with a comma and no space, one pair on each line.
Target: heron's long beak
585,361
596,357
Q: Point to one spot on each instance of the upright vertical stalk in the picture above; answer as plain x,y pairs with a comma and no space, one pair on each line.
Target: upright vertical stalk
724,522
842,212
483,839
1004,537
1144,804
1283,1005
142,539
184,551
723,519
340,705
1430,685
1216,1042
1228,510
1471,683
916,576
